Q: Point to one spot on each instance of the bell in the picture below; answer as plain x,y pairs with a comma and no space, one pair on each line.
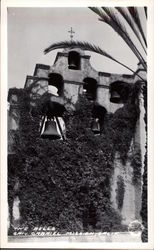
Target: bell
72,64
115,97
89,96
95,127
50,131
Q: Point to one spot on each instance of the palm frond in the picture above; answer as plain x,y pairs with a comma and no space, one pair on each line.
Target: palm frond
135,15
97,10
84,46
122,11
116,24
145,10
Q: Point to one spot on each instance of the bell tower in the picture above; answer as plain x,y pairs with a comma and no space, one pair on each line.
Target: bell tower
70,76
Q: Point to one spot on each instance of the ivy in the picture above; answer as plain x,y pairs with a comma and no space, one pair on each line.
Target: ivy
120,191
66,184
137,165
144,210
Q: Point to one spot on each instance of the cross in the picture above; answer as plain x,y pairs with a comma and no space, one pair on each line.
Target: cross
71,33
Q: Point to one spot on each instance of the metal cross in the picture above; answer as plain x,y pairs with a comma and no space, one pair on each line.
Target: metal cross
71,33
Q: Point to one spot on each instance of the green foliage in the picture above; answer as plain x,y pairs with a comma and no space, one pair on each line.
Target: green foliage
66,184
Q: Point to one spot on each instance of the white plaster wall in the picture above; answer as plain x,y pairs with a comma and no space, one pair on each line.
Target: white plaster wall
71,91
132,197
42,73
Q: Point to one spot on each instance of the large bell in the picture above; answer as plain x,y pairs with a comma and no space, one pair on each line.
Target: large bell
115,97
50,131
95,127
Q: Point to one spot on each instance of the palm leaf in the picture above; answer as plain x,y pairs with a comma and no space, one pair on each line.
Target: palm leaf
97,10
84,46
134,13
116,24
128,19
145,10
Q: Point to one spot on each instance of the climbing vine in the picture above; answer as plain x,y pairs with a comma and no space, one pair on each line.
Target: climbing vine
144,210
137,165
66,184
120,191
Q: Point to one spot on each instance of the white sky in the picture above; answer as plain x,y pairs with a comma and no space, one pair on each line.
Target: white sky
31,30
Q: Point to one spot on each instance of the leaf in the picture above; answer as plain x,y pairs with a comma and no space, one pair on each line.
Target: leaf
84,46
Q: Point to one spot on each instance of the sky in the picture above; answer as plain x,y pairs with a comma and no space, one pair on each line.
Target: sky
31,30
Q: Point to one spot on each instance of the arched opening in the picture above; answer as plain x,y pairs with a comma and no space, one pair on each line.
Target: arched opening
98,114
119,91
52,125
74,60
89,88
56,80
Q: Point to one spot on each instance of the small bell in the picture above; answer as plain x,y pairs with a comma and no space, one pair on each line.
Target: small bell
50,131
115,97
72,65
95,127
73,60
89,96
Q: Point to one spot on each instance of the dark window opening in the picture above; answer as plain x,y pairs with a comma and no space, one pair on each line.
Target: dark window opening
56,80
74,60
89,88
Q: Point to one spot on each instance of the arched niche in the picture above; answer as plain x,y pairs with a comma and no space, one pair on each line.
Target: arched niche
119,91
90,88
98,114
56,80
74,60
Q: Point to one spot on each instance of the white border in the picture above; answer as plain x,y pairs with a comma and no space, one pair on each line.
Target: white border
79,3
